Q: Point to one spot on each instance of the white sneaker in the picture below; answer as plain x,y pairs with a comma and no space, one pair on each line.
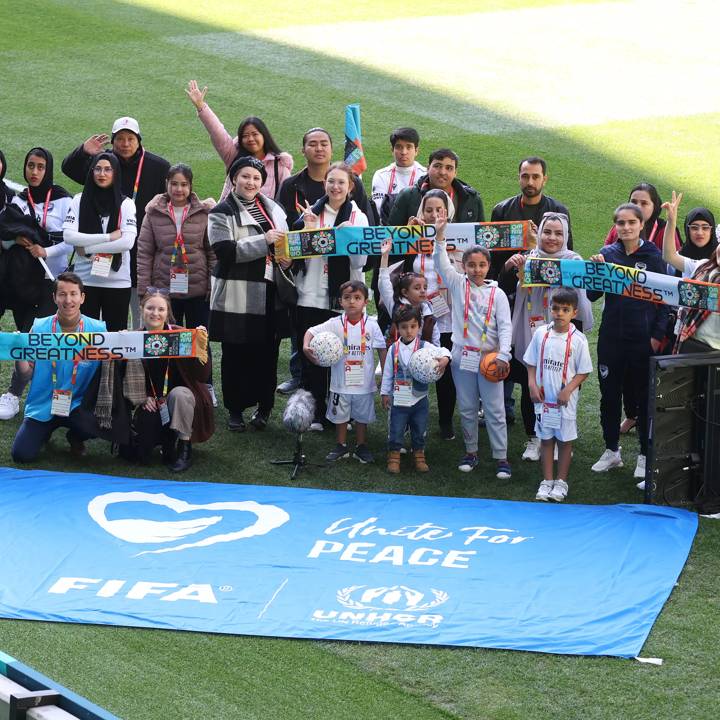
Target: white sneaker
544,490
609,459
532,450
640,468
640,485
316,426
559,491
213,396
9,406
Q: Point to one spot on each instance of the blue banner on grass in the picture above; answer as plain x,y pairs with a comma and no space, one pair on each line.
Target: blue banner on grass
290,562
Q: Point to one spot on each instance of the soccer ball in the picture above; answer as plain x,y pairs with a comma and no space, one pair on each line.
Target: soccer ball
423,365
327,347
490,369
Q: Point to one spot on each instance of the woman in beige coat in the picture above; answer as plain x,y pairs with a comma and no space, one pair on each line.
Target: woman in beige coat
173,251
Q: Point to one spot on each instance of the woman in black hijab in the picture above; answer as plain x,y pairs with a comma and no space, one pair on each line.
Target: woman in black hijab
101,228
700,240
6,194
34,257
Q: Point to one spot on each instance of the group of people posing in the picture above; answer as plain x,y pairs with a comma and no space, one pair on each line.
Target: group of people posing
138,241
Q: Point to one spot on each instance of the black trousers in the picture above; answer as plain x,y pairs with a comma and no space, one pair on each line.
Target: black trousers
519,375
249,375
616,361
445,389
111,303
191,312
313,378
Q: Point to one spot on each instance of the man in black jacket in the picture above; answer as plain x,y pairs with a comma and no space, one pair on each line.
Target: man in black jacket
143,177
531,204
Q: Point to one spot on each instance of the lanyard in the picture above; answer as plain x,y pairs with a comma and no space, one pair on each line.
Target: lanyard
422,270
568,343
466,314
45,209
346,348
653,233
392,179
137,176
396,359
265,215
76,361
179,240
545,302
165,383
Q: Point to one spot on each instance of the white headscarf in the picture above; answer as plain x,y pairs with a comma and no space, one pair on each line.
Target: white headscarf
530,301
449,204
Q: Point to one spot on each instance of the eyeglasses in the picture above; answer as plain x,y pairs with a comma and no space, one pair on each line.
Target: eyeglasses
156,291
100,170
698,228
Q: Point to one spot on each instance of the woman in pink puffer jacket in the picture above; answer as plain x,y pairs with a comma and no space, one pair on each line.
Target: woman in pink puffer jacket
253,138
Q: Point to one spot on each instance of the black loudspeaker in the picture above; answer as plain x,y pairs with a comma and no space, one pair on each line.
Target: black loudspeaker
683,461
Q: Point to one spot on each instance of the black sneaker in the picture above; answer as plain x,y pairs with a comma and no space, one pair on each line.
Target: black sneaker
339,452
447,432
236,422
363,454
259,420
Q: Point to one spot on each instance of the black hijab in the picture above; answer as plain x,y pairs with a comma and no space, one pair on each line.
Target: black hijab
39,193
689,249
6,194
97,202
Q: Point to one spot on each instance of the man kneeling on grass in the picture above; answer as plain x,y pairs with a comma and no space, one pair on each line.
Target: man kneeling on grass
57,387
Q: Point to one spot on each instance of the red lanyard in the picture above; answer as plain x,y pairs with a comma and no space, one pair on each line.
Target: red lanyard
45,209
392,179
137,176
396,359
568,343
422,270
346,348
259,206
179,240
322,218
76,361
654,231
466,314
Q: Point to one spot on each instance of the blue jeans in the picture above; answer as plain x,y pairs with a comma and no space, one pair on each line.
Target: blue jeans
33,434
416,416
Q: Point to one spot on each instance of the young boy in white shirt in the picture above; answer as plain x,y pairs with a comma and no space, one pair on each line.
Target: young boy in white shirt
403,173
403,396
352,378
558,362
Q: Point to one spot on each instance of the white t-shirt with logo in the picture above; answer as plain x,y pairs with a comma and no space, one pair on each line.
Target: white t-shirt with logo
374,340
579,363
709,330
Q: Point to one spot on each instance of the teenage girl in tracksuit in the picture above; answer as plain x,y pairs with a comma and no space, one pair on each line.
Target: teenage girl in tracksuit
481,324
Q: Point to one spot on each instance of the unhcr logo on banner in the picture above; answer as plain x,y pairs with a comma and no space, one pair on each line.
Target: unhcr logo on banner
397,604
140,530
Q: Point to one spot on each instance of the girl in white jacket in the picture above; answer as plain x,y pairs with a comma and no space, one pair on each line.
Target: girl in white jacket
481,324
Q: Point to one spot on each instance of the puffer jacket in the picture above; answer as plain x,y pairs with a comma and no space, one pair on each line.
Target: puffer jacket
156,242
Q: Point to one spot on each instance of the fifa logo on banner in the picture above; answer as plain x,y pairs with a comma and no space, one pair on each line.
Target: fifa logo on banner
382,606
147,531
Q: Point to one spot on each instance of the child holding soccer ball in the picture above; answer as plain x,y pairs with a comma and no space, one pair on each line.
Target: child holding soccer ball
352,378
481,325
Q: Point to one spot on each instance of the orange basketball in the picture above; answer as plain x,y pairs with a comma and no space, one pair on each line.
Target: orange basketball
490,369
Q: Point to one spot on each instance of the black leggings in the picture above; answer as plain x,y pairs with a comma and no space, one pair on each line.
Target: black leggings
111,303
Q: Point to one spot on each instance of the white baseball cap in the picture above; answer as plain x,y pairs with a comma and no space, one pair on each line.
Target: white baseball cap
126,123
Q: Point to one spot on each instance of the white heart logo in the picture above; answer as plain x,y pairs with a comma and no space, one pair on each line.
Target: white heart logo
137,530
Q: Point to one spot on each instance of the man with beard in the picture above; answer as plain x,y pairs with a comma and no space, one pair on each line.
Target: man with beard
531,204
143,176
